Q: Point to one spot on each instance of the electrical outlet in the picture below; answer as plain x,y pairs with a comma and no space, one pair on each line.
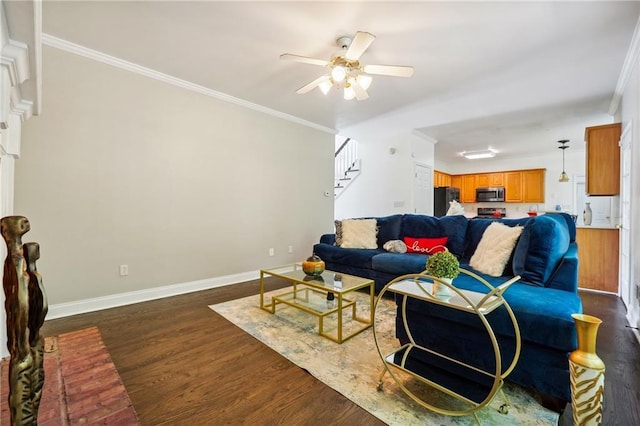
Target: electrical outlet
290,249
272,252
124,270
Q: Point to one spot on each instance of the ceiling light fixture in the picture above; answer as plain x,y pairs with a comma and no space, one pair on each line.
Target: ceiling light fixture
474,155
345,70
563,176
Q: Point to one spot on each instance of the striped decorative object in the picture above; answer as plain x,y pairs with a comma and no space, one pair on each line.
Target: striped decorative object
587,373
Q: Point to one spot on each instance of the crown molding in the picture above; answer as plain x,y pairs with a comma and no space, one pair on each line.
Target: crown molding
95,55
627,68
14,61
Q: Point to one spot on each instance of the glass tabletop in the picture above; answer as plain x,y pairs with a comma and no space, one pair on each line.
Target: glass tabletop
328,280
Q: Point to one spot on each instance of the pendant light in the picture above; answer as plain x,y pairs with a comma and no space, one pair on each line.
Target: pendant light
563,176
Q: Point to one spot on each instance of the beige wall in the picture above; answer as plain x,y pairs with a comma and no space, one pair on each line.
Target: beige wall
123,169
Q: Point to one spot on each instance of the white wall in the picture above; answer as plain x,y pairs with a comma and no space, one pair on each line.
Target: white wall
385,185
629,113
123,169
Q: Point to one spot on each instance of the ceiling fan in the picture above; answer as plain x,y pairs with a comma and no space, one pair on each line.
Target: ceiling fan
346,70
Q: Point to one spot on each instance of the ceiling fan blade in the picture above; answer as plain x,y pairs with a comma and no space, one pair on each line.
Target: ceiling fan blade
361,93
392,70
359,44
315,83
304,59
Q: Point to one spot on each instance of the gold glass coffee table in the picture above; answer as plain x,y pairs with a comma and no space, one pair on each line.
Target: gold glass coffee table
322,296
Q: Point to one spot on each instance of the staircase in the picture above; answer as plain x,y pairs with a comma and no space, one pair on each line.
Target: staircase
347,166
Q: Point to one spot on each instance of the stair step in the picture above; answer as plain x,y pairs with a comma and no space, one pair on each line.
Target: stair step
345,178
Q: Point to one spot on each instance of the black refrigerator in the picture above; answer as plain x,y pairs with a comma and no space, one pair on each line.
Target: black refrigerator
441,198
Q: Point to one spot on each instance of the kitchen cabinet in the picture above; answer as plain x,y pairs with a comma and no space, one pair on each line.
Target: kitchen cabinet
468,189
524,186
441,179
456,181
598,254
603,159
513,187
533,186
482,180
489,180
521,186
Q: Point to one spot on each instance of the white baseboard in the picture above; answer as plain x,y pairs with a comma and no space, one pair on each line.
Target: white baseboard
61,310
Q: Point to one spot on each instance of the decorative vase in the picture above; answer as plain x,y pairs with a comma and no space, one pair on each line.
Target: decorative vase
587,214
586,371
442,291
313,266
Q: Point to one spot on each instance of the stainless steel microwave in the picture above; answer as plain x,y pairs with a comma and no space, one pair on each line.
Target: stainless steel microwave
495,194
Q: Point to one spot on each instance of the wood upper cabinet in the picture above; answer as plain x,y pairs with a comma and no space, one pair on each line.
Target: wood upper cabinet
513,187
468,189
496,179
603,159
456,181
441,179
533,186
489,180
521,186
482,180
598,254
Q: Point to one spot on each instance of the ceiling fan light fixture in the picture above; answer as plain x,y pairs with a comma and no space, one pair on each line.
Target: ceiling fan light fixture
325,86
475,155
364,81
349,93
338,73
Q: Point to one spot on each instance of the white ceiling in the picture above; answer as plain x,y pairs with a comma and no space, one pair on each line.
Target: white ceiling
511,75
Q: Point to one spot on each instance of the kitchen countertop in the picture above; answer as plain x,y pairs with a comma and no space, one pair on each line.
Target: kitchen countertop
597,227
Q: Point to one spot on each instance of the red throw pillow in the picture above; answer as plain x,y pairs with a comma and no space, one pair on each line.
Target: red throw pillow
426,245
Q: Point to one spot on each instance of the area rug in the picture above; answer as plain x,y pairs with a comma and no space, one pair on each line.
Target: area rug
353,368
82,386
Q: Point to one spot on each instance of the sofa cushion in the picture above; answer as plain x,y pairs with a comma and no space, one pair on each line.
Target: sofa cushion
395,246
359,234
421,226
455,228
476,228
356,257
388,228
399,264
495,248
565,218
538,310
541,246
425,245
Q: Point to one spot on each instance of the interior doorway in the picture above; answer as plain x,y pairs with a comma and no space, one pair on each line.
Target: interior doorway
423,189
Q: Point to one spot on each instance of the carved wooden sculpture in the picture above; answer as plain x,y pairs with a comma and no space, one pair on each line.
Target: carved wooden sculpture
38,308
26,307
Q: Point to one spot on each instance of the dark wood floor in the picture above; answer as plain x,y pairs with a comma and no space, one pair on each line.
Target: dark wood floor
184,364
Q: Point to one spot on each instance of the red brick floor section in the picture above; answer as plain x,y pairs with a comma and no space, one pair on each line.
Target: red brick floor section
82,386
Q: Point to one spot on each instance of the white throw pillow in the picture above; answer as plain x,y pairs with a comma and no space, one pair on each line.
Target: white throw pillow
359,233
494,248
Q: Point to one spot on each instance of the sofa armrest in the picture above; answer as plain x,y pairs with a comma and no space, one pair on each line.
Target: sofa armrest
565,277
328,239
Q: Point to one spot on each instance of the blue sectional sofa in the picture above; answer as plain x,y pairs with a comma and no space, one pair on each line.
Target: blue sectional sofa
545,256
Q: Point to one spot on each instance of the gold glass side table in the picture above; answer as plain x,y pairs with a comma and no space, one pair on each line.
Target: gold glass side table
424,287
329,284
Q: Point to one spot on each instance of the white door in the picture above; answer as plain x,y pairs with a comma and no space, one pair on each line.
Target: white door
423,189
625,216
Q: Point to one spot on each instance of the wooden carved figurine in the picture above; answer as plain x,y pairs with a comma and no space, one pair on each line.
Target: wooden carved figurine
18,307
38,308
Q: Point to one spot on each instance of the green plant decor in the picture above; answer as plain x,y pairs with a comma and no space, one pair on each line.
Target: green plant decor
443,265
